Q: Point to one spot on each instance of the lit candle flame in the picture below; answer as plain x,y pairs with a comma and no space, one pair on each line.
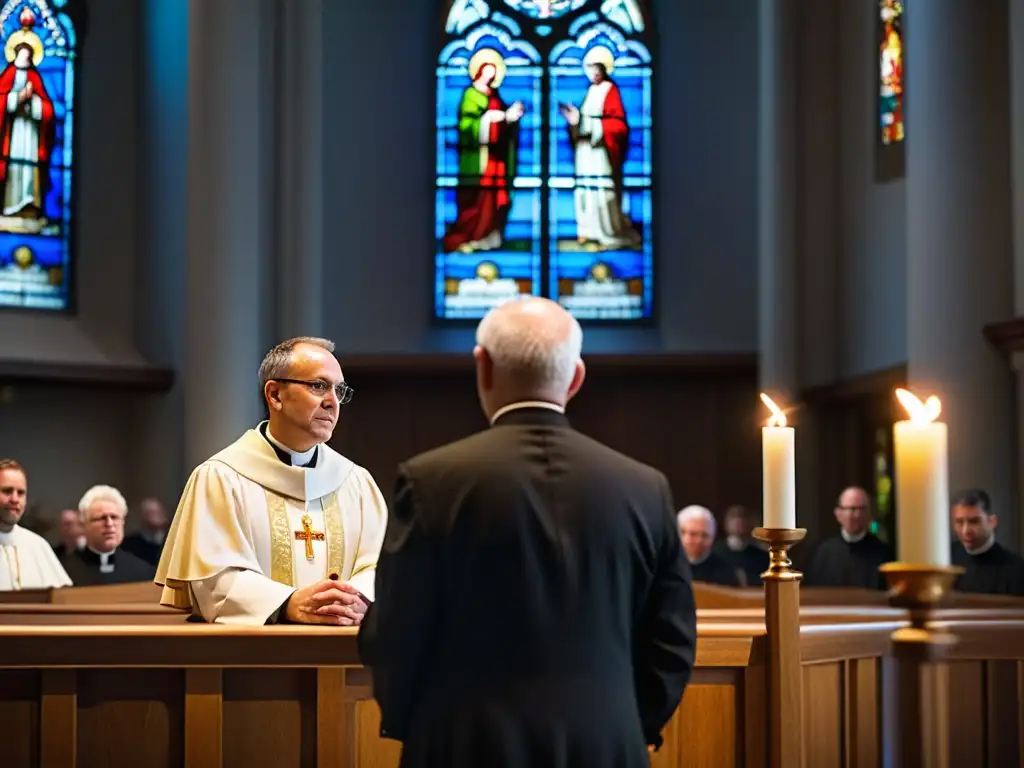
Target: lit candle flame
778,418
920,413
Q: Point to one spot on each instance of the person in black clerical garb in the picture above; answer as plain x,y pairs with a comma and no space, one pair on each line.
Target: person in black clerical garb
740,549
852,558
72,536
148,542
697,531
102,561
989,567
533,605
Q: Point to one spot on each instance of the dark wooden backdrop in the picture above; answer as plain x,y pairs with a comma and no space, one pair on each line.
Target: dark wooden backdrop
696,418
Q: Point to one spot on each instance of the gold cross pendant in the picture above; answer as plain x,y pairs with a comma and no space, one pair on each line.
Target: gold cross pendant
308,535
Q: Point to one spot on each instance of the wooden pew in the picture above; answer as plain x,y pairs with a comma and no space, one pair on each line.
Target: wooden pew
139,695
132,592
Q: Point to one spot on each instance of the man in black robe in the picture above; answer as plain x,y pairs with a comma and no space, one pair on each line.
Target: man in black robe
991,569
697,529
102,561
147,543
748,556
533,602
852,558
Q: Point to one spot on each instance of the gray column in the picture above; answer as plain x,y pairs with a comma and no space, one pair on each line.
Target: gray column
959,233
300,237
777,240
1017,139
230,213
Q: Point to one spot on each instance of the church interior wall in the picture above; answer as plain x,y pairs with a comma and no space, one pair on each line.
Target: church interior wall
872,235
377,273
70,437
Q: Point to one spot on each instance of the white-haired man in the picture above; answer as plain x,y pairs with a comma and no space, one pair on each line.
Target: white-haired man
102,561
26,559
278,527
534,603
697,530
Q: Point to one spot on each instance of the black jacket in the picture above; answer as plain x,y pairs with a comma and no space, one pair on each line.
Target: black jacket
533,603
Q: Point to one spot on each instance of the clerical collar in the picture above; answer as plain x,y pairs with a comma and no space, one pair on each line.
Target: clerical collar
7,537
983,548
526,404
106,559
853,538
736,543
153,537
699,560
299,459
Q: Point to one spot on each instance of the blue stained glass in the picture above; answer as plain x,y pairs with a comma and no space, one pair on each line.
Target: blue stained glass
523,205
601,251
545,9
36,136
488,225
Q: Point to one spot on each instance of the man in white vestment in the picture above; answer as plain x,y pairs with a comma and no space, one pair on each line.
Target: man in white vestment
278,527
26,559
599,133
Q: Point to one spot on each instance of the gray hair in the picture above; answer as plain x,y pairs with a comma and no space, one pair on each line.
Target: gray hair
278,360
530,352
100,493
696,512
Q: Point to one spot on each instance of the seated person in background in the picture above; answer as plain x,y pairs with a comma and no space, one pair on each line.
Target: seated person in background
26,559
279,527
990,568
148,542
740,549
697,530
852,558
103,510
71,532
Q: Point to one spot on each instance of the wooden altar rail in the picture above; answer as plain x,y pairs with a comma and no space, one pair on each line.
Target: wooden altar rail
199,695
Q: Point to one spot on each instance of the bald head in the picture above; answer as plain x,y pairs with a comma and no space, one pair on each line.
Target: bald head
528,349
853,511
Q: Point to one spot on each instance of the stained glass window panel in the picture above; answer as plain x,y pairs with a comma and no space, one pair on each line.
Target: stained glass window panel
601,208
488,172
890,71
37,89
544,157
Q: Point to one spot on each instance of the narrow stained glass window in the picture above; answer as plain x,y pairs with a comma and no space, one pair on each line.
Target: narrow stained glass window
37,95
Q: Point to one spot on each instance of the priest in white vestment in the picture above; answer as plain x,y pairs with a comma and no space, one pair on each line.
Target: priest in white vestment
279,527
27,560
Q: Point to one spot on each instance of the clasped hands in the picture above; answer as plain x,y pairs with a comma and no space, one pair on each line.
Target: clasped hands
327,602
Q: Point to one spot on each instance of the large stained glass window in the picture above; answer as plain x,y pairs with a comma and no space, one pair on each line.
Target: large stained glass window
890,70
544,157
37,94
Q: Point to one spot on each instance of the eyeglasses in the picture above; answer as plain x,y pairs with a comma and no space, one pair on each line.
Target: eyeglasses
320,388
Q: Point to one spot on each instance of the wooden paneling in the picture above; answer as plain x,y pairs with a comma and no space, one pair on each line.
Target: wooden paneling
19,712
823,711
205,696
696,418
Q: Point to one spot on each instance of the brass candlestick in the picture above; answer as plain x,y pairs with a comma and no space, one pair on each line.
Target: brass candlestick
782,628
780,541
919,738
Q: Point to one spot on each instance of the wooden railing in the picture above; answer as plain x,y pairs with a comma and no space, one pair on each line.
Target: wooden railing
122,683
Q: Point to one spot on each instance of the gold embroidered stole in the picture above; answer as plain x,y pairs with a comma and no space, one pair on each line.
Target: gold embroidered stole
281,537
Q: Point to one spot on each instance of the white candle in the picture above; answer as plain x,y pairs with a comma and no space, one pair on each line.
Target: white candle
922,483
778,460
